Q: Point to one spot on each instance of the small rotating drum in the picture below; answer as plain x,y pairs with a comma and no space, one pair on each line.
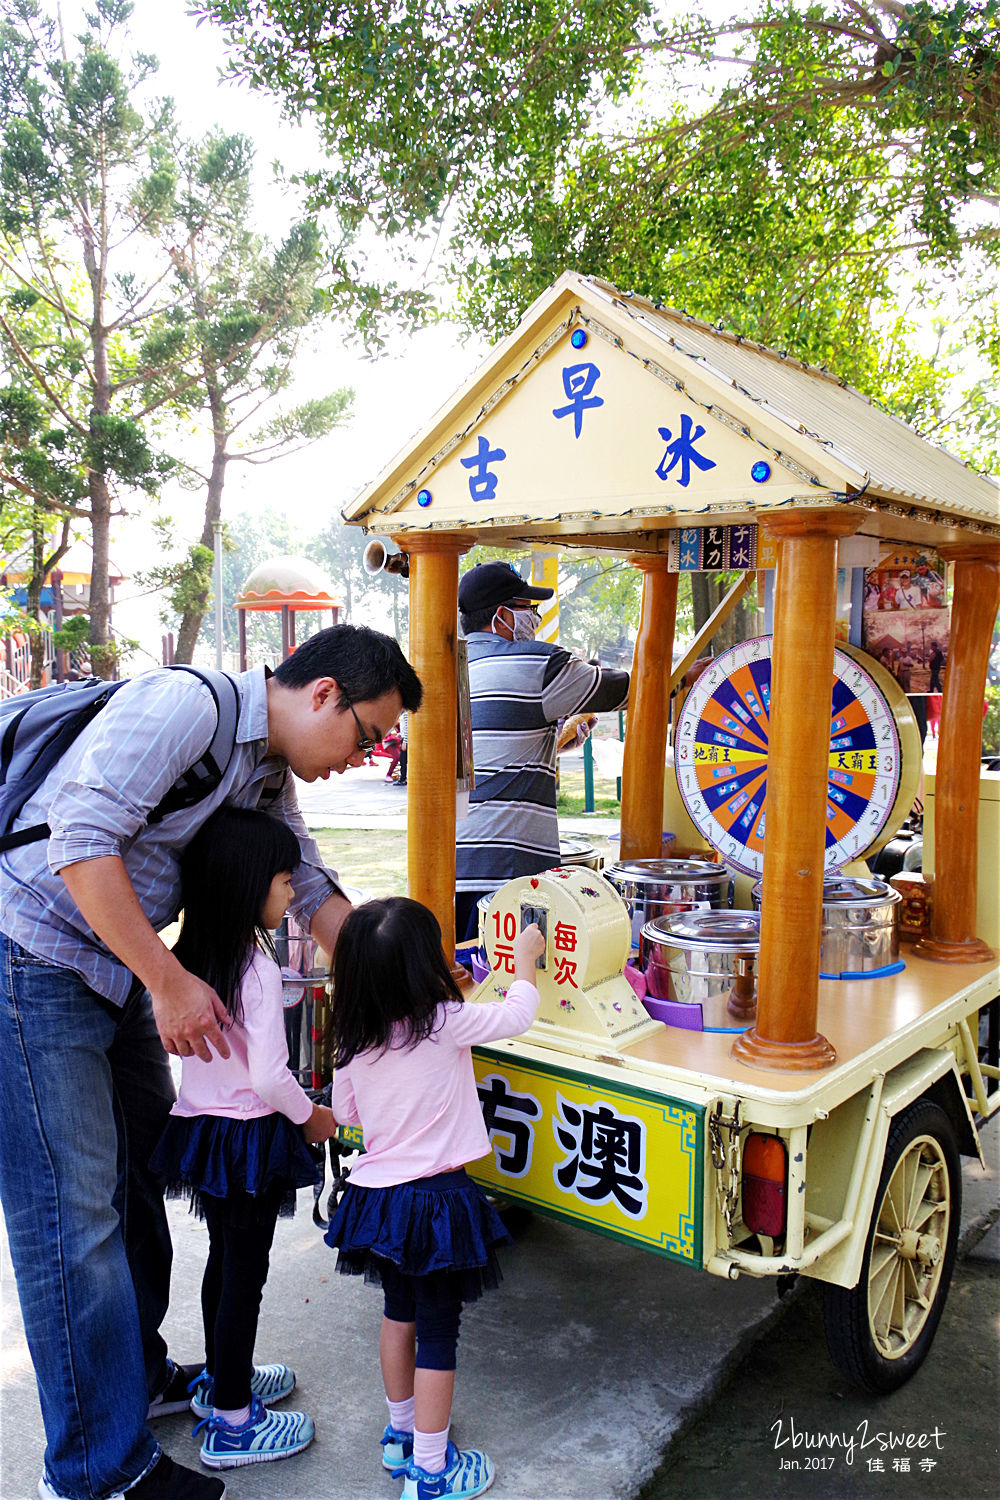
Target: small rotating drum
584,994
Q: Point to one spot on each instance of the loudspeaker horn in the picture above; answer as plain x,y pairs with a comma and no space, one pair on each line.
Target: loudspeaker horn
377,559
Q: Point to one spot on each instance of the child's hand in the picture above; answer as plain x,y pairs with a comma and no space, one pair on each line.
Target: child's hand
320,1125
528,945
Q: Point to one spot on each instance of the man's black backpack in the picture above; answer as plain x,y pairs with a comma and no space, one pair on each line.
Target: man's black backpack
37,728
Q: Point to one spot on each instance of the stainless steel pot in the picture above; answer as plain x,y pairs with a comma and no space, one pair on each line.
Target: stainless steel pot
860,925
705,958
653,888
576,849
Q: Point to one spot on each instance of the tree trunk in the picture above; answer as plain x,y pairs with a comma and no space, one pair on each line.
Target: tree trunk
702,599
34,598
187,635
102,659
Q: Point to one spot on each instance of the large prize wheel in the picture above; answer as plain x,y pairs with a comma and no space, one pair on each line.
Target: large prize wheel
721,747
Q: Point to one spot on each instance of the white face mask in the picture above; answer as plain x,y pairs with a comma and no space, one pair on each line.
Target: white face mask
526,623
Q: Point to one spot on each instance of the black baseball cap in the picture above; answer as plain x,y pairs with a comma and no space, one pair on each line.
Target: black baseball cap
491,584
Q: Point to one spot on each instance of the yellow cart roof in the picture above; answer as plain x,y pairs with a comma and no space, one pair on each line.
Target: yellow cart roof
608,420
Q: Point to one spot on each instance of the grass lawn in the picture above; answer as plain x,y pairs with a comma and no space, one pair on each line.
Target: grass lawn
372,858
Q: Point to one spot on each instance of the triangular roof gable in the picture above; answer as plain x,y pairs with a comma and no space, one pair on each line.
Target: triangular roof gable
606,420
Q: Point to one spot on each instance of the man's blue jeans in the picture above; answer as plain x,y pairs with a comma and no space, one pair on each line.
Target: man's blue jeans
84,1092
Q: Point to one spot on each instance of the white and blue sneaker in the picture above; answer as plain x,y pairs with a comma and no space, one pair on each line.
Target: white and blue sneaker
464,1475
269,1383
262,1438
397,1450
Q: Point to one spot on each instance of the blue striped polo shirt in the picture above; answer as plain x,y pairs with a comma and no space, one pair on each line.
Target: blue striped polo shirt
519,692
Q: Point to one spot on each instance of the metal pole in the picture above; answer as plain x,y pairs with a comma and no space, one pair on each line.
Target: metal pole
588,775
217,530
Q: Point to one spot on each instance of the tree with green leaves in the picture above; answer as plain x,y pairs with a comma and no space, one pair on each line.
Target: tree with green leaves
242,310
86,177
785,170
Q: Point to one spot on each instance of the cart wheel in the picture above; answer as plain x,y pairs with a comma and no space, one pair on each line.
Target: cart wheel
879,1332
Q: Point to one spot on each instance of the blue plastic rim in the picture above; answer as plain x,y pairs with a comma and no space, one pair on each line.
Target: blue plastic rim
882,973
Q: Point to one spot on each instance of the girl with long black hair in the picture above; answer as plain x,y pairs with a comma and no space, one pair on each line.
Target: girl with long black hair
235,1143
411,1220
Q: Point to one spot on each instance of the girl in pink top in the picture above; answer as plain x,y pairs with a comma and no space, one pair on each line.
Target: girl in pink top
234,1141
411,1220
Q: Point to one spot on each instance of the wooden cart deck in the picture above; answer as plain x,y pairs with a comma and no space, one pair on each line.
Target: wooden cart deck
875,1024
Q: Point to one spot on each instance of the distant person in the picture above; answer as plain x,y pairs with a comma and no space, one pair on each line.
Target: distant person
520,688
393,743
411,1220
404,740
235,1142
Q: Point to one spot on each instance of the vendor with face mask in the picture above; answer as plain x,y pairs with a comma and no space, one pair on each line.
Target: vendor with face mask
520,689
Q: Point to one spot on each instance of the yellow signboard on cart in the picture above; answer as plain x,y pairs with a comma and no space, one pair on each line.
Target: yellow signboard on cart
617,1160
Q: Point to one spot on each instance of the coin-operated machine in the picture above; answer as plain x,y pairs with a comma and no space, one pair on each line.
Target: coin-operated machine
588,937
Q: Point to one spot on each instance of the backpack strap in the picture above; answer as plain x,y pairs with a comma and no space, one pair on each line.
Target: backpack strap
197,782
202,778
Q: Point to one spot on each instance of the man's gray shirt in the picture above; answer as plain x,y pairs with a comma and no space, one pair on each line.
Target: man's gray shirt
97,800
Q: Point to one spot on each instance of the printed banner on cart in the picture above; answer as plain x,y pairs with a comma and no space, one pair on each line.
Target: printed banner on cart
617,1160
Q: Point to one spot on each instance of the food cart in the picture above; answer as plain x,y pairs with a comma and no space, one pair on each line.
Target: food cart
820,1132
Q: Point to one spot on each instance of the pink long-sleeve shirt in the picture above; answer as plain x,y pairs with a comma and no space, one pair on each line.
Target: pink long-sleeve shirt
254,1079
418,1106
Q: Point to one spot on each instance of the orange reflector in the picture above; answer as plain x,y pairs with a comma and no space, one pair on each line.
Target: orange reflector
765,1167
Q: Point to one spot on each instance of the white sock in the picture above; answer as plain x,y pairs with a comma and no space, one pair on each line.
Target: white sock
401,1414
233,1418
430,1448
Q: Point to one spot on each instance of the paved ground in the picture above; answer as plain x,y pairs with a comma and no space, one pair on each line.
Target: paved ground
787,1423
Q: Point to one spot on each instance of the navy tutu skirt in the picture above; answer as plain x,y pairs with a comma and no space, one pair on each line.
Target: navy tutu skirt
441,1226
243,1161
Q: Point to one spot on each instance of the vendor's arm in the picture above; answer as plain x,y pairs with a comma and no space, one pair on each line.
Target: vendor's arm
188,1012
610,693
572,687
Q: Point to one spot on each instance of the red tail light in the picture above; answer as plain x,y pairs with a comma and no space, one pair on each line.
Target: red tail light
765,1174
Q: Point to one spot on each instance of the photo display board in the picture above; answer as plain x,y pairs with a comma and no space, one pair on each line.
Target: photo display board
721,747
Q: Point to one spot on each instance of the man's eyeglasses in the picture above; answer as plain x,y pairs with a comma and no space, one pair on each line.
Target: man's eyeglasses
365,742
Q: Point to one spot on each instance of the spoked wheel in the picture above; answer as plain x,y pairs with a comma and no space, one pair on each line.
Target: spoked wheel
879,1332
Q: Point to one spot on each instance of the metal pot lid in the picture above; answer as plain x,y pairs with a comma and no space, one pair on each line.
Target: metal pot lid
668,871
727,929
849,890
854,890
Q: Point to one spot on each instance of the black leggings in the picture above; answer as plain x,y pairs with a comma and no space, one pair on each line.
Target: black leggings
240,1231
433,1305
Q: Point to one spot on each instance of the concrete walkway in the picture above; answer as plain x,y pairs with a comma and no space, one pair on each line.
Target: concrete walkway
362,798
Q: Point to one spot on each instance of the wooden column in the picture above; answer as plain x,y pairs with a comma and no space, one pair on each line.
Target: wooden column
785,1034
975,599
433,732
648,706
